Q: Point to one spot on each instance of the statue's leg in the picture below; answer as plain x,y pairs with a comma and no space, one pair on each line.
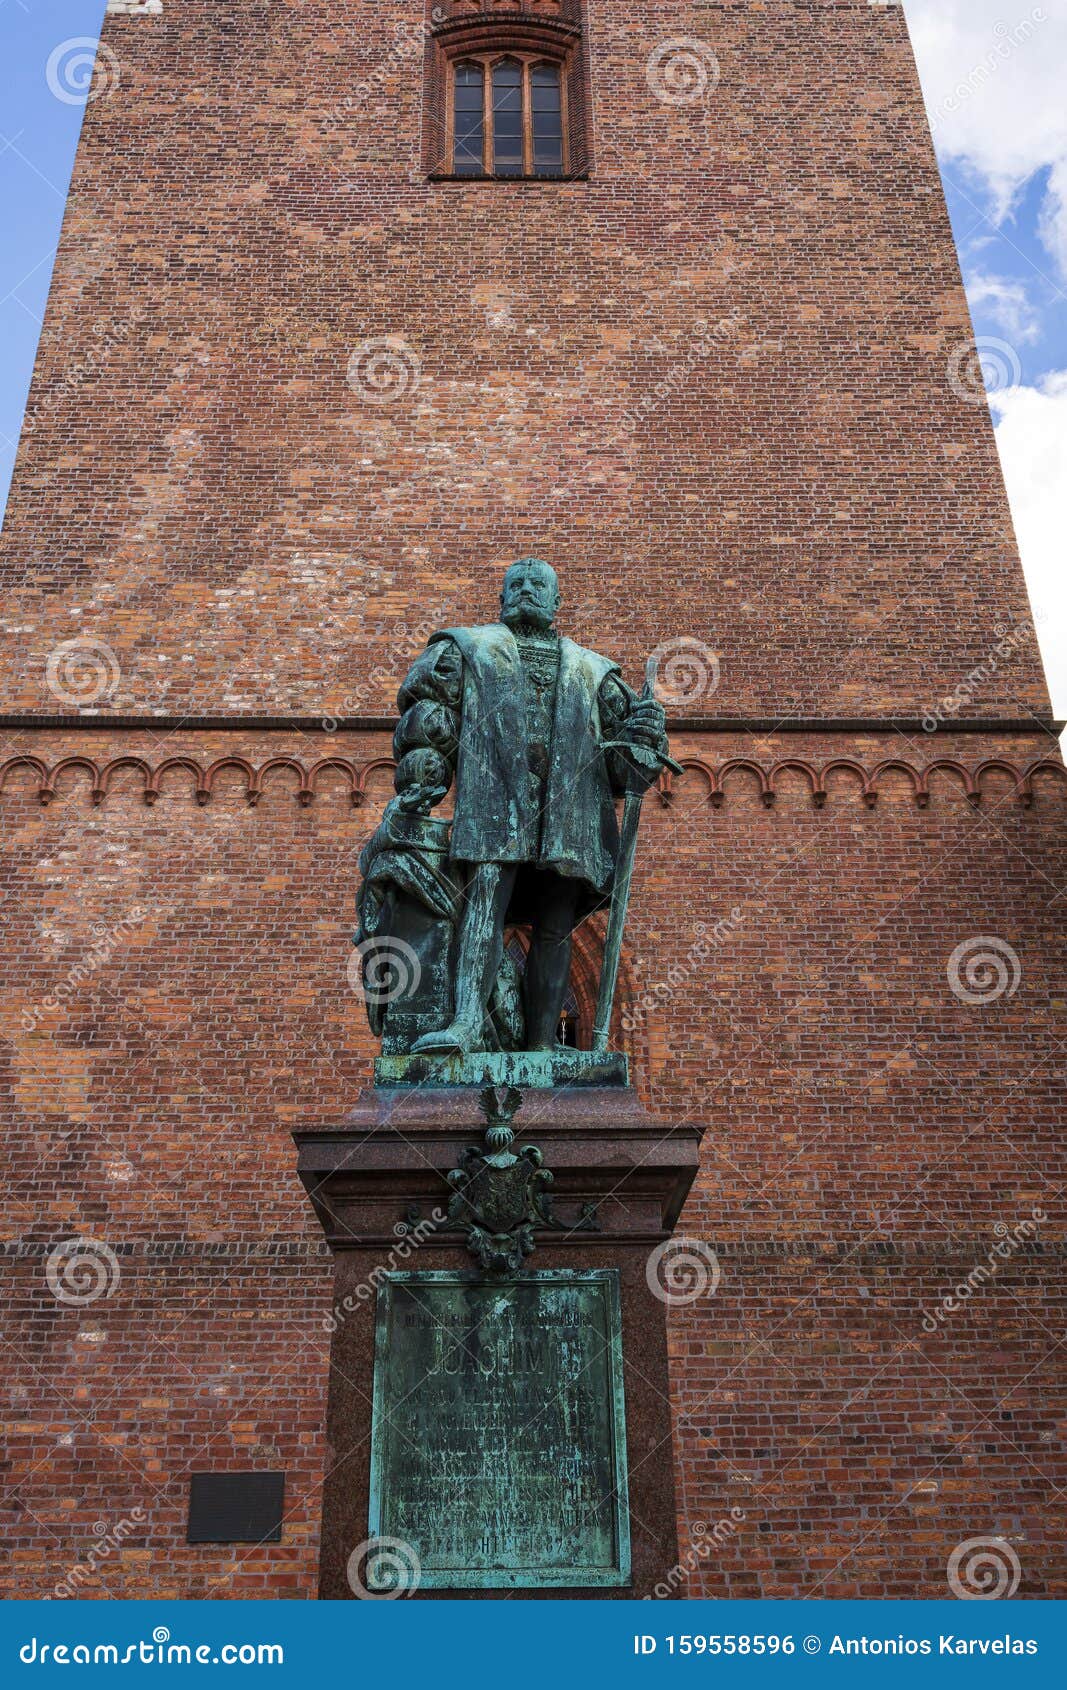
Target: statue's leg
548,966
481,942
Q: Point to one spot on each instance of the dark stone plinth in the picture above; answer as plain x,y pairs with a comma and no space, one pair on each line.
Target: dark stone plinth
390,1157
377,1182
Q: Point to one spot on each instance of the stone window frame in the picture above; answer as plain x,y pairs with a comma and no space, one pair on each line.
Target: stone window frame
487,38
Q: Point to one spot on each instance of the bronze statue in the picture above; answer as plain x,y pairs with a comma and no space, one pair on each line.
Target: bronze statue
541,737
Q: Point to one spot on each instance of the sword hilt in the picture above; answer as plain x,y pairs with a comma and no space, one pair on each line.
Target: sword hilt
649,691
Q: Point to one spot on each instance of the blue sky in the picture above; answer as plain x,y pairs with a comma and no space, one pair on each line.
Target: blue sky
993,75
1011,251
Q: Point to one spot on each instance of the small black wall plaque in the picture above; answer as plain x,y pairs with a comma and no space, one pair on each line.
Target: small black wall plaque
236,1507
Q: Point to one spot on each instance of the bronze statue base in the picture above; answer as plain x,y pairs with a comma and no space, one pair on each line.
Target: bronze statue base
526,1069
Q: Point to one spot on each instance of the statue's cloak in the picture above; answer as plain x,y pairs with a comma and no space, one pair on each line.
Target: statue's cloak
498,816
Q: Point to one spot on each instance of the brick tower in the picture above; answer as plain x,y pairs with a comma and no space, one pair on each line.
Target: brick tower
345,317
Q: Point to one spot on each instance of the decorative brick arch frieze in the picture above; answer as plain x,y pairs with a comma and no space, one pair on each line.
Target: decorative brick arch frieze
307,780
504,14
766,776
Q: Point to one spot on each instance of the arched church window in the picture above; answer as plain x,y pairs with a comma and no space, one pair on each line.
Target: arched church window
507,91
508,116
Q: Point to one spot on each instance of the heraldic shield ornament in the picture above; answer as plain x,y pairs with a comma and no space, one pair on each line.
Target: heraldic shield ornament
498,1195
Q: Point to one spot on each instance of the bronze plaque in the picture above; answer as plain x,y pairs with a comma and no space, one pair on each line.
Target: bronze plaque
498,1445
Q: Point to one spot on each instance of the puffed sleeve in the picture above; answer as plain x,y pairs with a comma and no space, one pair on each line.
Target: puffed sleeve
435,676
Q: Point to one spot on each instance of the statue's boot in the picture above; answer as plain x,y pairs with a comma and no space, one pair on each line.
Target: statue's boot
481,941
458,1036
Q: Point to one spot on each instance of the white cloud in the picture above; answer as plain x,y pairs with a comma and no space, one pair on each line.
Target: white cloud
1032,436
992,76
1007,303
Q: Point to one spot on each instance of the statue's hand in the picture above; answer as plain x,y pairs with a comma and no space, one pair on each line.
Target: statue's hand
646,724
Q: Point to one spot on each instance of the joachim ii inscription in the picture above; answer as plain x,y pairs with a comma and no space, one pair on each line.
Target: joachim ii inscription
498,1446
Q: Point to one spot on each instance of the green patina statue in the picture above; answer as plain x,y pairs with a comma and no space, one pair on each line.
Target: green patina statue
541,737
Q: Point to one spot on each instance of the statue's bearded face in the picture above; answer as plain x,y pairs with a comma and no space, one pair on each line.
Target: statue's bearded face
531,594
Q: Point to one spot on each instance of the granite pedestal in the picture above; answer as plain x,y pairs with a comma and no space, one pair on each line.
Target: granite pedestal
378,1184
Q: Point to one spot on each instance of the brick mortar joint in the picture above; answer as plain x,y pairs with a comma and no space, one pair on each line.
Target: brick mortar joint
165,1249
754,1249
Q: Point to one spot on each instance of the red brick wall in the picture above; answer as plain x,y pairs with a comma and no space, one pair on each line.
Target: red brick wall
718,369
868,1134
203,493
